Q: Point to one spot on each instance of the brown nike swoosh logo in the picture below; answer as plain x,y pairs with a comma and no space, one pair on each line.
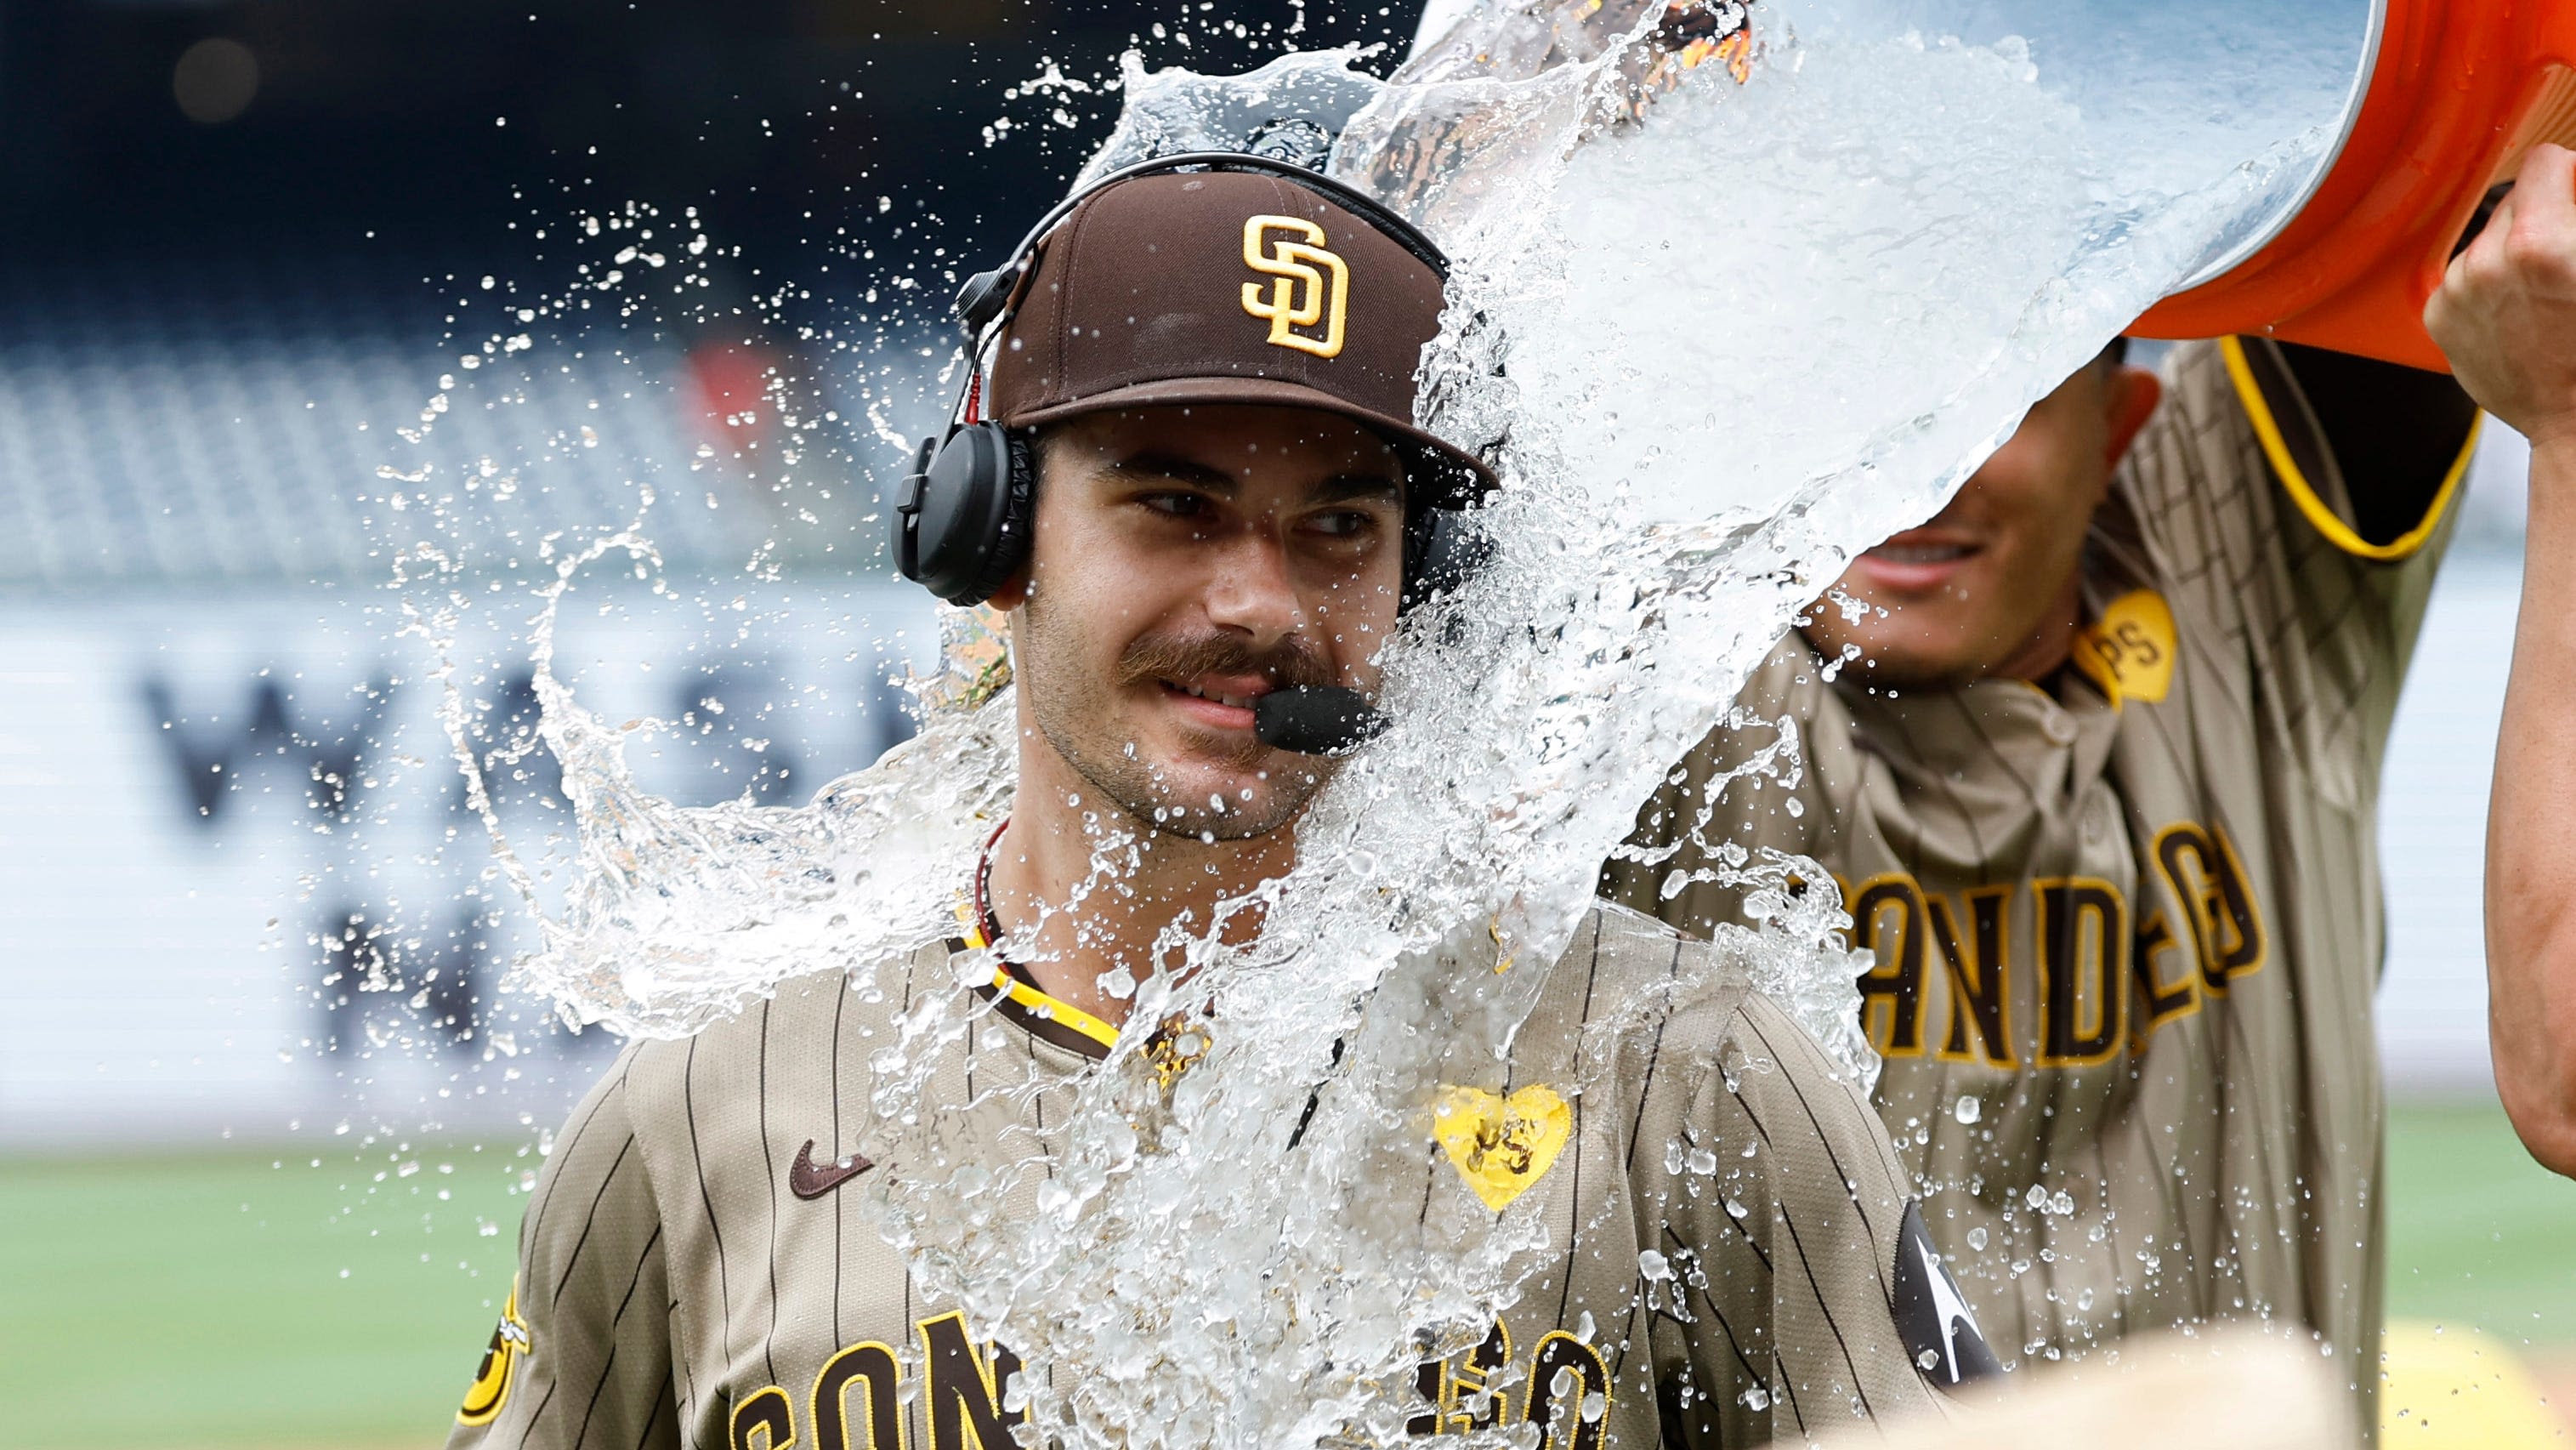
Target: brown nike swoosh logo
806,1180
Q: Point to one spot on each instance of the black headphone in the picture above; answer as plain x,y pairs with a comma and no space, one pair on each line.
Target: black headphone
961,521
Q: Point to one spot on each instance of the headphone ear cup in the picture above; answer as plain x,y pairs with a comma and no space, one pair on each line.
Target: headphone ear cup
906,518
961,517
1009,546
1443,549
1421,538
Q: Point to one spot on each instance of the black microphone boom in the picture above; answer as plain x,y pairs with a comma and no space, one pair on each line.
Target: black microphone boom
1316,719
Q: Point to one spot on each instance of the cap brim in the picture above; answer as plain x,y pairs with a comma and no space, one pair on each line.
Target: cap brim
1443,476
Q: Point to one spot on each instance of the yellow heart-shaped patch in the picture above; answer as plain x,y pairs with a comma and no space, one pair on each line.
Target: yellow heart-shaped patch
2129,651
1502,1145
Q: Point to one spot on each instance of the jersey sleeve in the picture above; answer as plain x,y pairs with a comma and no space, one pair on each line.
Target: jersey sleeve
2294,508
582,1354
1791,1269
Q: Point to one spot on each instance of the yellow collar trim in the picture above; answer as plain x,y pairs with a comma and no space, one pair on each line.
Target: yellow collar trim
1048,1007
1030,998
2304,494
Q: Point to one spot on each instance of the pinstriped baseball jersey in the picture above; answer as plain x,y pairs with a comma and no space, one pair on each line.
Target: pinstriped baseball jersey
2128,924
1730,1256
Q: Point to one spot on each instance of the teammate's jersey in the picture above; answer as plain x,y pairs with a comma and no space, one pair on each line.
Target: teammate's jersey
1729,1255
2127,926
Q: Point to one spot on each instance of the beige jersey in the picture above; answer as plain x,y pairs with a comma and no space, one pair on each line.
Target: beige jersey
700,1264
2128,924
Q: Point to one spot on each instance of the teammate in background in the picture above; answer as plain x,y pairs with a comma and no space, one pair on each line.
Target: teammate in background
2093,758
1206,379
2506,316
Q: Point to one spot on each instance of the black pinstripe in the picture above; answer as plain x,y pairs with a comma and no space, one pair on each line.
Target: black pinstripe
698,1161
769,1179
609,1368
1714,1315
1880,1257
1788,1391
654,1418
573,1260
1574,1199
538,1416
570,1142
688,1378
1805,1264
1654,1059
840,1010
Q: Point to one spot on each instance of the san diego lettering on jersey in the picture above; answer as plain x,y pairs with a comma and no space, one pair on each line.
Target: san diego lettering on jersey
2134,1090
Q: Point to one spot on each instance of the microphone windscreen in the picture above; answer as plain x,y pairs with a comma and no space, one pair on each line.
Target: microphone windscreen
1315,719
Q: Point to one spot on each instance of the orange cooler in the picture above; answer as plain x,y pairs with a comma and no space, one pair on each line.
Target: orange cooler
2451,95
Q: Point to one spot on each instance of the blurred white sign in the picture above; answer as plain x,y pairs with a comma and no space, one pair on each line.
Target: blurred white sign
240,892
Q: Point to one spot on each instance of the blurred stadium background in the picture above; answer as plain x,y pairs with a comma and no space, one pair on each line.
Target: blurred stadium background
264,1118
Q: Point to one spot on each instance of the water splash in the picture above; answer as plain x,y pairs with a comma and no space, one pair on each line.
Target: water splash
1729,305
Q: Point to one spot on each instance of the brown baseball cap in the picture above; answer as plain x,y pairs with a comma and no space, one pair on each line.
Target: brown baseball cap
1214,287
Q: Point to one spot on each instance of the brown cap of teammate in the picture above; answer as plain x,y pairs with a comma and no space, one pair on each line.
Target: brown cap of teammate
1227,287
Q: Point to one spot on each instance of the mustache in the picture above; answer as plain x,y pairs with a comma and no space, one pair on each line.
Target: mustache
1294,661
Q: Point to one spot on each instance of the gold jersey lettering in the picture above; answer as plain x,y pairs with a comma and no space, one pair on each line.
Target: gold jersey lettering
876,1421
1567,1396
1887,918
1464,1389
1978,967
2200,864
2083,930
1945,963
763,1420
1557,1399
965,1391
2160,1001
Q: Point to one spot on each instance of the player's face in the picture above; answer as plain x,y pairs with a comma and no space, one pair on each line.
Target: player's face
1185,562
1990,585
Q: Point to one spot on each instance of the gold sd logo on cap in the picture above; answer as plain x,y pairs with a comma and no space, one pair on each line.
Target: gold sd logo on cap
1303,295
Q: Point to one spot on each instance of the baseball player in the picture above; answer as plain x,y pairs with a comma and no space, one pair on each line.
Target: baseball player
2092,757
1190,474
2505,315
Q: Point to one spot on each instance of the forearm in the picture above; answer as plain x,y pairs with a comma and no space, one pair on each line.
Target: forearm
2531,832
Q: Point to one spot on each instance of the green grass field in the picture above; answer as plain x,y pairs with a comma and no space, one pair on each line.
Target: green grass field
2478,1234
173,1301
176,1301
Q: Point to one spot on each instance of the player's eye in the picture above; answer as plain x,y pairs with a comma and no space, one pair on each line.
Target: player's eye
1178,503
1342,523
